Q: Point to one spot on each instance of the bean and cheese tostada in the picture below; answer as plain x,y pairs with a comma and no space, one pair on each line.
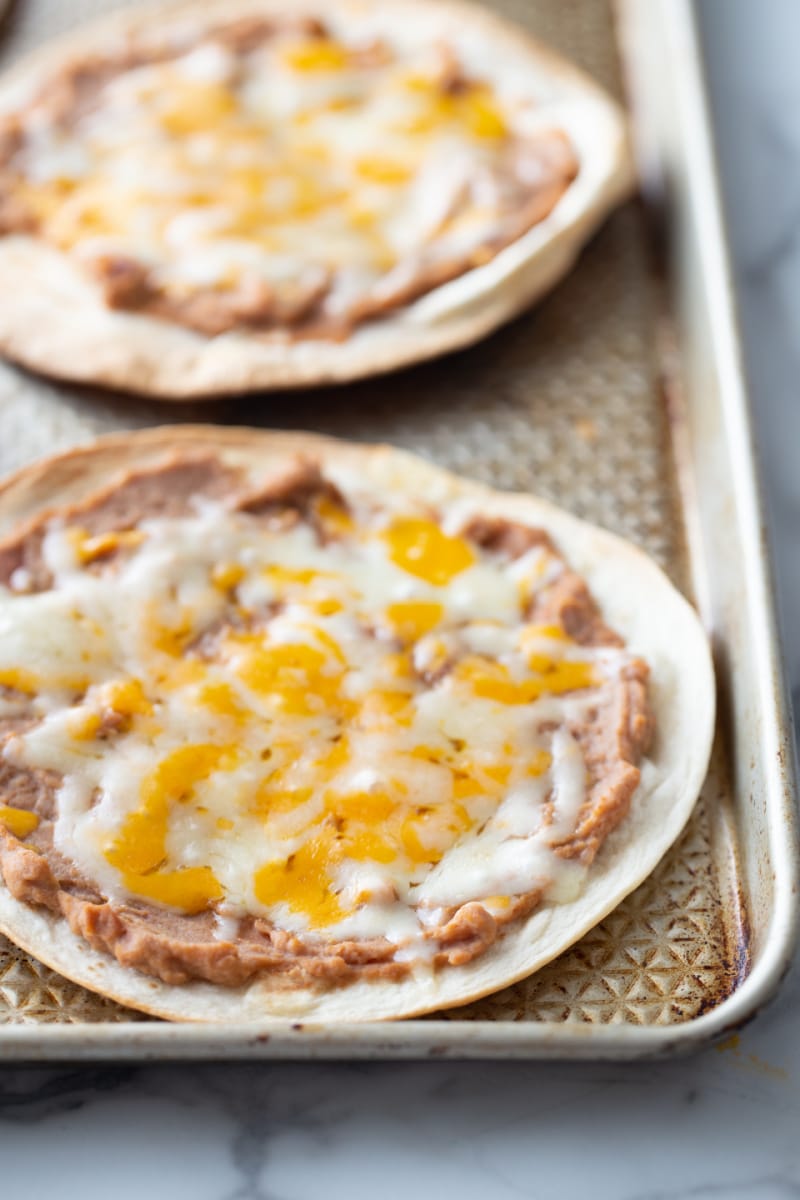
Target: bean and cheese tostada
293,727
216,196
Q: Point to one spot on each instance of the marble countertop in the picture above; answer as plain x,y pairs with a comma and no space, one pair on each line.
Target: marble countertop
724,1123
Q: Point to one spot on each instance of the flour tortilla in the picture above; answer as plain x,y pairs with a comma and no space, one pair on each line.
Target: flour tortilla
60,325
636,599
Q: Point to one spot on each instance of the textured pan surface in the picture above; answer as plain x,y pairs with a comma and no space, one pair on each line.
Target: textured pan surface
565,402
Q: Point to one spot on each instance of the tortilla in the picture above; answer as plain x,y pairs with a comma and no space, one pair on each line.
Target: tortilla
61,325
634,597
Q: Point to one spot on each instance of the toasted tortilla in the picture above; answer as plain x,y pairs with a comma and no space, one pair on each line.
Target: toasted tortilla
60,324
635,598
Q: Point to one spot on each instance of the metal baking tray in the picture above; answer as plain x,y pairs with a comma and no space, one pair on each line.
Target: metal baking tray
621,397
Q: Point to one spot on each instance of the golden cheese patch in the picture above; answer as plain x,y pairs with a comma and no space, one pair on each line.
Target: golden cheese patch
18,821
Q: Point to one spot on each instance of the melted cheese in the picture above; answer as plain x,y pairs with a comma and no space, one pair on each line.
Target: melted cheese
18,821
297,163
420,547
343,736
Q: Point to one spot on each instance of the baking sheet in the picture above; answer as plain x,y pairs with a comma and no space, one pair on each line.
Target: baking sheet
590,401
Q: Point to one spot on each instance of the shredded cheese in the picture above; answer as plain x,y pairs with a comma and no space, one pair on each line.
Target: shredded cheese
341,735
297,164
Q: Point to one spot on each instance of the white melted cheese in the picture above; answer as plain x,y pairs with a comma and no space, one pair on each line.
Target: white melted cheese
347,736
219,171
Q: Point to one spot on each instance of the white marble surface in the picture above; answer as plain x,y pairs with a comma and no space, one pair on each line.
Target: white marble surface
725,1123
